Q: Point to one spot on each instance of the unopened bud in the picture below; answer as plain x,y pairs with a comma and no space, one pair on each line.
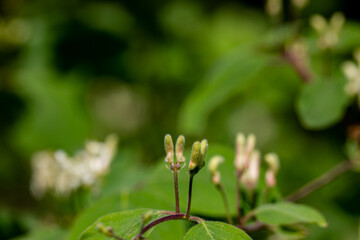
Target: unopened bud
251,175
197,156
146,217
169,149
270,178
180,143
240,142
272,160
250,143
107,231
214,163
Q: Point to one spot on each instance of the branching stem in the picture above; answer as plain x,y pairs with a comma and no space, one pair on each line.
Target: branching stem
321,181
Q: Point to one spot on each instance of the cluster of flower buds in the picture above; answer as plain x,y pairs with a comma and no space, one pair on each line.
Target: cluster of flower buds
197,160
169,149
328,32
352,73
214,163
273,167
63,174
247,160
244,149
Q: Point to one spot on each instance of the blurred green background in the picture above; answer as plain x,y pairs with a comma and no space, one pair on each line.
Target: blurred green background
72,70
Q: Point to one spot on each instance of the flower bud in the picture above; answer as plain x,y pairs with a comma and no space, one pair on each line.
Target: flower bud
169,149
180,143
250,143
273,162
251,175
197,156
107,231
214,163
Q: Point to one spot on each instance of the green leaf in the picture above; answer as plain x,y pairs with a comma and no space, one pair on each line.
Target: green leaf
284,213
321,103
215,230
127,224
229,76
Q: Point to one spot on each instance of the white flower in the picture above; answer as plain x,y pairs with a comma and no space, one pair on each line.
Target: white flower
352,73
63,174
328,31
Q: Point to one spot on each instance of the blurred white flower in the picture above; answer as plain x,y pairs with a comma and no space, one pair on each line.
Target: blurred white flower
63,174
328,31
352,73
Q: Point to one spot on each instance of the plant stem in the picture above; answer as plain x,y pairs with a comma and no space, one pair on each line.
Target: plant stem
176,216
238,196
189,196
177,205
226,203
321,181
298,64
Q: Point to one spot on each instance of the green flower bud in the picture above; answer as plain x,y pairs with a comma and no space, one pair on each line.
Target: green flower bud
180,143
107,231
214,163
197,156
169,149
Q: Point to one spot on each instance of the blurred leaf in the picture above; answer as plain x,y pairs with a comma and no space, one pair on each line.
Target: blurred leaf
321,103
229,76
215,231
285,213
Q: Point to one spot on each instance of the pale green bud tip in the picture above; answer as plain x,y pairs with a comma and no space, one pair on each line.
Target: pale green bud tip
169,148
180,143
214,163
146,217
108,231
272,160
204,147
